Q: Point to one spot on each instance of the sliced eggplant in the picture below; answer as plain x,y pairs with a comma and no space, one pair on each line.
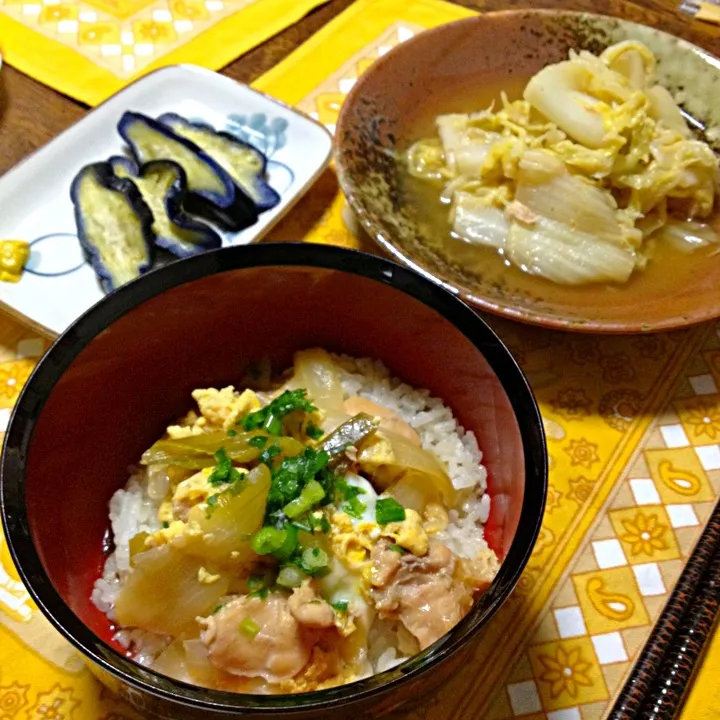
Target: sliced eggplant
114,225
163,186
212,192
245,164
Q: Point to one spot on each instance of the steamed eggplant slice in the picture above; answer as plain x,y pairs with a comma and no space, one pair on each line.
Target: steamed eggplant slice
245,164
213,194
163,186
114,225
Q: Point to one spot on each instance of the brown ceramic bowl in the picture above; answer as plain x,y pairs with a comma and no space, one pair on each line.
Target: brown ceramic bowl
113,381
461,66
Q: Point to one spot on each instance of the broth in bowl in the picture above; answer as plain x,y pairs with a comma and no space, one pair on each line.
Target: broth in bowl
425,145
582,179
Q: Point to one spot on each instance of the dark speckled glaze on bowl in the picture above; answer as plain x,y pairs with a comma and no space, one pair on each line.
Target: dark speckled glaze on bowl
490,49
110,385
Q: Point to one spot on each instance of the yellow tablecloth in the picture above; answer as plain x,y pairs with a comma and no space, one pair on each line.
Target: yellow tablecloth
633,427
90,49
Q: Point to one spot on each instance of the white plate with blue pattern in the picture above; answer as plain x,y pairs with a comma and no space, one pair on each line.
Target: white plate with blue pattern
57,284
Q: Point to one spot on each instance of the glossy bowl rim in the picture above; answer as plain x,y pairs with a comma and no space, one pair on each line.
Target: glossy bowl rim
375,230
74,340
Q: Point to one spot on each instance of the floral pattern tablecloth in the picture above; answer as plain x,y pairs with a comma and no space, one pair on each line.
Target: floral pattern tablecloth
90,49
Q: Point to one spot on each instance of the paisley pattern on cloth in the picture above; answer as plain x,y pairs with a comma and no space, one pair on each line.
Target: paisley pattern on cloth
633,426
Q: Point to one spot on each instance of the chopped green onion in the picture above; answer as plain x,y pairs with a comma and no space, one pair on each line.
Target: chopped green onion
217,608
259,441
211,502
292,475
310,496
314,560
313,431
354,508
289,543
223,472
388,510
232,433
269,453
273,425
249,628
267,540
288,402
396,548
258,585
319,523
347,491
280,542
166,524
291,577
340,605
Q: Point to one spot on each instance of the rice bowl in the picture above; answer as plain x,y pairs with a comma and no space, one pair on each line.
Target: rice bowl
118,364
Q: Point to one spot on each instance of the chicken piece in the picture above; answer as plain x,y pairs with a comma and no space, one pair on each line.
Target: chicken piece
309,609
385,564
421,592
278,651
222,408
388,419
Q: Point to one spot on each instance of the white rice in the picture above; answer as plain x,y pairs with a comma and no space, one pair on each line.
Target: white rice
441,434
133,510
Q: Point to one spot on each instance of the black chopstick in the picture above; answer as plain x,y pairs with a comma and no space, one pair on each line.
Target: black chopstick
651,660
665,699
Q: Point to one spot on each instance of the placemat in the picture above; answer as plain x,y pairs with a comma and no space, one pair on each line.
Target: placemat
90,49
633,429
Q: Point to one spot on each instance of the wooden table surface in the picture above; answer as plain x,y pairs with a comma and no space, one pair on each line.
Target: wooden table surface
31,114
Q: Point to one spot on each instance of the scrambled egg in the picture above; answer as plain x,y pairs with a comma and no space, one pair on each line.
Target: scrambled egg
436,518
190,425
409,534
353,544
223,407
195,489
206,578
323,671
218,409
166,535
181,498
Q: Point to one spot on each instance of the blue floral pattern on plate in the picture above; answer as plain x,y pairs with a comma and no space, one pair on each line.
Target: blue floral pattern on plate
267,136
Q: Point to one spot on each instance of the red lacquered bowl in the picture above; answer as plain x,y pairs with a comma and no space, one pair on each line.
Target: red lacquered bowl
109,386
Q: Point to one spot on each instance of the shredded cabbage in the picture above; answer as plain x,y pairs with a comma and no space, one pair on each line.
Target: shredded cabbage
595,148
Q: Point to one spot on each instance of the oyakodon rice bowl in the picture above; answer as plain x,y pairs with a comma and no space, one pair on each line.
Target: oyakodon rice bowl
299,535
